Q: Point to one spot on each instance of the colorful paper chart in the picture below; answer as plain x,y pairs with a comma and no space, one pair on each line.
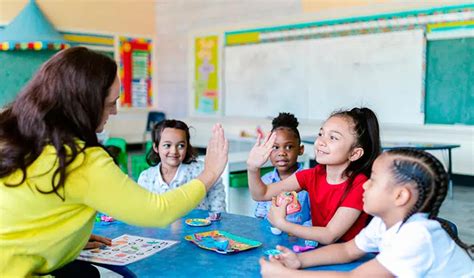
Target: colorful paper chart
198,222
207,240
125,249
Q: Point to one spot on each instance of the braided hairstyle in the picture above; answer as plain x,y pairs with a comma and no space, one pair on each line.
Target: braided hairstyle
287,121
431,180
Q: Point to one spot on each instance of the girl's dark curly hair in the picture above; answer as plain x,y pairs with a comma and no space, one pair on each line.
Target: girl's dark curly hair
287,121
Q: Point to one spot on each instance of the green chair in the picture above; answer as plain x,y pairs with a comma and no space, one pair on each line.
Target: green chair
122,157
139,164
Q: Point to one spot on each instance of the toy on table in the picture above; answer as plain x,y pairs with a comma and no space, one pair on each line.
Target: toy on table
214,216
308,245
222,242
294,205
272,252
275,231
198,222
104,219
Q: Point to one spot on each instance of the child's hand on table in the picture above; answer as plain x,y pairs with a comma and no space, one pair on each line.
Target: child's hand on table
96,241
278,265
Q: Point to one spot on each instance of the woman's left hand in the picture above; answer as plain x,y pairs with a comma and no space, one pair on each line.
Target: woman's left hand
277,214
272,268
96,241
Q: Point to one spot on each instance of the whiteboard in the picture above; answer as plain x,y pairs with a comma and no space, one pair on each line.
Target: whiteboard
312,78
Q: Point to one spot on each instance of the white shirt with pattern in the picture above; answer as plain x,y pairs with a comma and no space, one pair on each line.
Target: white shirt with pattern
152,180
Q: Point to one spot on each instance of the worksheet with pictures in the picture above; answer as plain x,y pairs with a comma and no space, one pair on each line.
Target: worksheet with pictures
125,249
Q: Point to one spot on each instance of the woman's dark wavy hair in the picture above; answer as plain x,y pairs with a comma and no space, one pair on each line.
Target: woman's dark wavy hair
153,158
63,102
367,133
287,121
431,181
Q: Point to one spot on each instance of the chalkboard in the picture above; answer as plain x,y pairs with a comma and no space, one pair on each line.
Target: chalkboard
16,69
313,77
450,82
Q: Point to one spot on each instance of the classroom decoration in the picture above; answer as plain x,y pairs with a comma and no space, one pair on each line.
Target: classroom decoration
449,16
125,249
216,241
135,72
206,83
197,222
31,30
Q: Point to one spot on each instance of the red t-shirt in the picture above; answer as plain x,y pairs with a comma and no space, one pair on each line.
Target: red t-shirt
324,198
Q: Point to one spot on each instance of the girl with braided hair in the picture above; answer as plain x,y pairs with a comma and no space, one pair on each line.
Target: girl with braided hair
404,194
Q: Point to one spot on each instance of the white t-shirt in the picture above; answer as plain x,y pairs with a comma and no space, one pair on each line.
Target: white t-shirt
420,248
152,180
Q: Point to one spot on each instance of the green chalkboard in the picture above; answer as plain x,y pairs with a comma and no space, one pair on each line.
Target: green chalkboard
16,69
450,82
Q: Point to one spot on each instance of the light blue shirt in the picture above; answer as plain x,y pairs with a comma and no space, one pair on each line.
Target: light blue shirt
302,217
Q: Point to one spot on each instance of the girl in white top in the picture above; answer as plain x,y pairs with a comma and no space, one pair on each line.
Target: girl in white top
404,194
173,162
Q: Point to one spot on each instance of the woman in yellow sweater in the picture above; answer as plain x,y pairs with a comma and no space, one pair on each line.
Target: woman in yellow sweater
54,174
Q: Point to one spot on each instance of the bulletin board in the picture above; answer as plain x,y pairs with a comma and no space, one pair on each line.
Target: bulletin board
206,78
135,72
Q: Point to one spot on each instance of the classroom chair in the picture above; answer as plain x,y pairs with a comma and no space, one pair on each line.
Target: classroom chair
153,118
122,157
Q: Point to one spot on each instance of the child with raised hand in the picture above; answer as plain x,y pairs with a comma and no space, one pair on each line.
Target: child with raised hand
347,145
404,194
173,162
285,151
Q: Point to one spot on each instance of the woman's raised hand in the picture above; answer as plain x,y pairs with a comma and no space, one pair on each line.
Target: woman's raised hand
261,151
216,157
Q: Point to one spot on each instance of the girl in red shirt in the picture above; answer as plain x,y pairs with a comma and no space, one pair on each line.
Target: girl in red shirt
346,146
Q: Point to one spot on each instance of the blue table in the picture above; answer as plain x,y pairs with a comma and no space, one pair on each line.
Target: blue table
188,260
419,146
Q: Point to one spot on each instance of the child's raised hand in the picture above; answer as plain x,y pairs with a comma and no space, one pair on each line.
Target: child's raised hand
277,214
261,151
216,157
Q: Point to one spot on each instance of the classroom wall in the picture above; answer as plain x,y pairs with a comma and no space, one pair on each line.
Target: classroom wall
105,16
177,20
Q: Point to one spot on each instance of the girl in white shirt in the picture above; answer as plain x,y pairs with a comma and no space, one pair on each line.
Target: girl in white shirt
173,162
404,194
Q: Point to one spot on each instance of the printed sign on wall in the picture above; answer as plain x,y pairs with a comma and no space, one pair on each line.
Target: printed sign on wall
206,82
135,72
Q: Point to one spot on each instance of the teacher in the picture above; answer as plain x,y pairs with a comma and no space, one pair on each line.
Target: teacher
55,175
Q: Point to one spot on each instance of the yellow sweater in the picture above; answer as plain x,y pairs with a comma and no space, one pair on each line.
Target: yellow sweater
40,232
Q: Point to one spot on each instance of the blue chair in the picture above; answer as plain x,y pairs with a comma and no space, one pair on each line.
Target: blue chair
154,117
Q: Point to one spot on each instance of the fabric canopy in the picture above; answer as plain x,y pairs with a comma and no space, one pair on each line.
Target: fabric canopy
31,30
